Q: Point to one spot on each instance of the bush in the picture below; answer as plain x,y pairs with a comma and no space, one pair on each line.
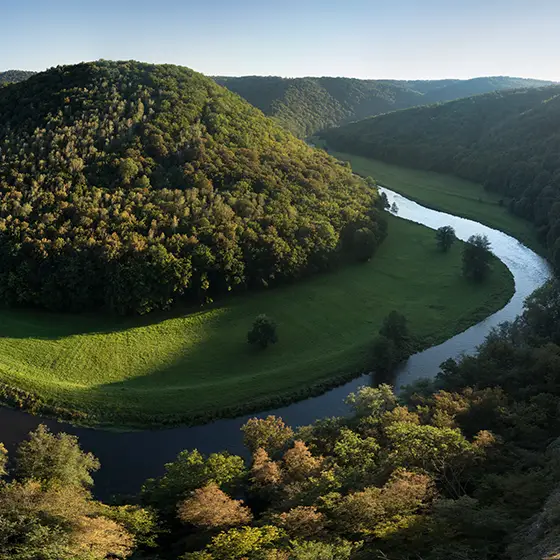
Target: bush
263,332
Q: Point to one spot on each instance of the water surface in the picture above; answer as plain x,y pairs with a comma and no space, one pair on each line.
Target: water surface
128,458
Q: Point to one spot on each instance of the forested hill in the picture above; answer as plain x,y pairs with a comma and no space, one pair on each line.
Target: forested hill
129,186
14,76
307,105
508,141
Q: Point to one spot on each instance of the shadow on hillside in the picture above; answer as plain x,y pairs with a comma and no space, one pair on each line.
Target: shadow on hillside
47,325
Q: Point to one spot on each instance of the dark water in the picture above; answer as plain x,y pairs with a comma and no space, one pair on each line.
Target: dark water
128,458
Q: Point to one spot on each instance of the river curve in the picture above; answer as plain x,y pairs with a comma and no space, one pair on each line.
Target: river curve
128,458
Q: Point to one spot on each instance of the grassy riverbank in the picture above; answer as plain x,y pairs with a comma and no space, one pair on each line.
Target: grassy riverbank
171,369
448,194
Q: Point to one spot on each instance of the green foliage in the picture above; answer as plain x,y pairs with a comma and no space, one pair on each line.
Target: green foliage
101,370
307,105
238,543
263,332
317,550
270,434
395,328
392,345
191,470
12,76
364,244
506,141
466,468
476,258
445,237
372,401
54,460
130,186
384,354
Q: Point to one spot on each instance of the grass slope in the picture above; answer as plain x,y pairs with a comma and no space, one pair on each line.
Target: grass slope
446,193
170,369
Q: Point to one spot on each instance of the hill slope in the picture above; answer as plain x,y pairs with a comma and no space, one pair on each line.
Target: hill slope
307,105
508,141
10,76
129,186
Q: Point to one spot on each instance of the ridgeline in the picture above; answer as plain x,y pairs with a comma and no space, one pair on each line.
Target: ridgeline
129,186
509,142
307,105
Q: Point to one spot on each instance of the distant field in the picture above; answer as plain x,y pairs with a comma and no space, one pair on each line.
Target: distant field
172,368
446,193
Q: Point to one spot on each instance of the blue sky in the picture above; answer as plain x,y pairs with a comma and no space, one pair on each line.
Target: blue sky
404,39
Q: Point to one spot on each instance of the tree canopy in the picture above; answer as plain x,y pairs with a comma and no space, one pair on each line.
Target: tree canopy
130,186
308,105
508,141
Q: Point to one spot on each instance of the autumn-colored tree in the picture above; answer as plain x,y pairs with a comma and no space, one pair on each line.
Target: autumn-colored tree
301,522
298,464
210,508
3,460
54,521
376,508
264,472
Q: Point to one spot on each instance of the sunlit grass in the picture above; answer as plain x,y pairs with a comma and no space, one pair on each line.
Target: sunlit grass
123,371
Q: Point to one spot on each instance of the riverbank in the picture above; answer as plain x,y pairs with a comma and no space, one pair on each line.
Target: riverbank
446,193
198,367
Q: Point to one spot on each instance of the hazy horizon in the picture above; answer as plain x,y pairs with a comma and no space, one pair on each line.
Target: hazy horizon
360,39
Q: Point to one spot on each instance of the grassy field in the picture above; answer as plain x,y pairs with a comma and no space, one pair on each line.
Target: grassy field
446,193
167,369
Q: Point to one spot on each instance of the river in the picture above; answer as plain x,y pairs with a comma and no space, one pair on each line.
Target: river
128,458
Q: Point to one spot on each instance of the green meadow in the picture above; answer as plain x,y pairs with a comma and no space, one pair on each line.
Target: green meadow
448,194
195,365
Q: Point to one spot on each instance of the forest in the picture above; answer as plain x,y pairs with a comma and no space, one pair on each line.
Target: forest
463,467
130,187
305,106
507,141
12,76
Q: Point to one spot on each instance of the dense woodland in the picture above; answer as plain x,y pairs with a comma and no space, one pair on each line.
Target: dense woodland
12,76
466,467
307,105
508,141
130,186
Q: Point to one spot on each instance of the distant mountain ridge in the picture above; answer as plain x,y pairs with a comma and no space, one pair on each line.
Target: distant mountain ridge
12,76
308,105
509,141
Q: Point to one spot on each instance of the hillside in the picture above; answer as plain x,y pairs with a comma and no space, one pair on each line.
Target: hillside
14,76
129,186
507,141
307,105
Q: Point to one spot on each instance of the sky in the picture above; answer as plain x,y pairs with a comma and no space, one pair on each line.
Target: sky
398,39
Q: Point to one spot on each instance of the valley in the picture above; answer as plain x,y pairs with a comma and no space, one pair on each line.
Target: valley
182,368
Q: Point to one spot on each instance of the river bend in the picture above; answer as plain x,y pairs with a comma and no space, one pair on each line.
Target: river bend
128,458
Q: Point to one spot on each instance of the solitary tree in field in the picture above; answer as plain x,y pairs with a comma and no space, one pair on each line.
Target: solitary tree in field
445,237
263,332
395,328
476,258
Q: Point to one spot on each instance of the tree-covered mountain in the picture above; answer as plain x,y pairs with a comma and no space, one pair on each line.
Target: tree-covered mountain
307,105
128,186
508,141
12,76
